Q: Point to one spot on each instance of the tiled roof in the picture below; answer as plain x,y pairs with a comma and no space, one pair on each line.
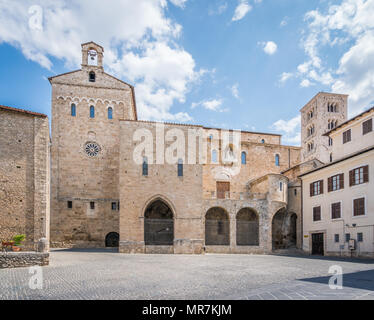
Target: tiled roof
23,111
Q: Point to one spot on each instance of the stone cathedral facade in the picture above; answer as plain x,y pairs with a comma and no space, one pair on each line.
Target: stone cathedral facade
236,195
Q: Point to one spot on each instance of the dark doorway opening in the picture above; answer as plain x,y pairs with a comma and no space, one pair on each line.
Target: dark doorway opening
284,230
247,228
293,229
317,244
158,224
217,227
112,240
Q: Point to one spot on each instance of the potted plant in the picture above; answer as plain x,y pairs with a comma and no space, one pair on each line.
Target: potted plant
7,245
18,239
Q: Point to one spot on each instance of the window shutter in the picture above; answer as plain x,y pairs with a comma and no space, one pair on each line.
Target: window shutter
341,181
367,126
329,184
366,174
311,189
321,186
351,178
362,206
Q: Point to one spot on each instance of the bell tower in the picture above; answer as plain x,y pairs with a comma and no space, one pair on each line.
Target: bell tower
321,114
92,55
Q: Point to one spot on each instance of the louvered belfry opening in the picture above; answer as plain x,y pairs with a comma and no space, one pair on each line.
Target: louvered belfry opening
217,227
158,224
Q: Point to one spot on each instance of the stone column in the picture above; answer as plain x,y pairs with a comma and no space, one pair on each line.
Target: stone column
232,231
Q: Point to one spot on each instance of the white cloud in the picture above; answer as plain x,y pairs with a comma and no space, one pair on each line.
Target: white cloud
303,68
212,105
270,47
235,90
241,10
289,129
218,10
140,44
285,76
178,3
305,83
349,23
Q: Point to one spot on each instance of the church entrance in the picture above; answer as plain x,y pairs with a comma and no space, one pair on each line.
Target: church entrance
112,240
158,224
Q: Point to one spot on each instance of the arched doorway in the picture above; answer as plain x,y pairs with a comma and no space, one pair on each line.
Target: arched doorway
284,230
158,224
247,228
112,240
278,229
217,227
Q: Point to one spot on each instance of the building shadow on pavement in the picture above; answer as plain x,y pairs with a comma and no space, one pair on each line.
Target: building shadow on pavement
325,258
358,280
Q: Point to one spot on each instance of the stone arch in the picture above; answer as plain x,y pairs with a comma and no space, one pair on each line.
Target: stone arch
247,227
284,229
112,240
161,198
217,227
158,223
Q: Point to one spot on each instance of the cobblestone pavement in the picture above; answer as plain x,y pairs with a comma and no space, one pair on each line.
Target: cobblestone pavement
104,274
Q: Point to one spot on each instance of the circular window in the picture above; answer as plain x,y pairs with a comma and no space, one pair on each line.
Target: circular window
92,149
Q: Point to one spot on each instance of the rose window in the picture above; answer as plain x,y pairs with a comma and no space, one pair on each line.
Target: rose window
92,149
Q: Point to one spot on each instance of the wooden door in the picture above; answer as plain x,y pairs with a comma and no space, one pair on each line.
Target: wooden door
222,189
317,244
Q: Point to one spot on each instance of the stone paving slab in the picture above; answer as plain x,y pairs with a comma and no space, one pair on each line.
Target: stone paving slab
104,274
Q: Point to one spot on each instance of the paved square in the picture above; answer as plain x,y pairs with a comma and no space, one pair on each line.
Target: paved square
104,274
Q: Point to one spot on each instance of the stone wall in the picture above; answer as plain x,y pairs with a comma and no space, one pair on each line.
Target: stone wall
23,259
24,176
77,177
260,161
183,195
321,116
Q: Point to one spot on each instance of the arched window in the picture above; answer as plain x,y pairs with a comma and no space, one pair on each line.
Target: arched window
110,113
244,158
263,141
214,156
180,168
92,77
92,112
73,110
145,166
277,158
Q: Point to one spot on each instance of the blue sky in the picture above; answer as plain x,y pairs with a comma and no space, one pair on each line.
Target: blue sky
236,64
